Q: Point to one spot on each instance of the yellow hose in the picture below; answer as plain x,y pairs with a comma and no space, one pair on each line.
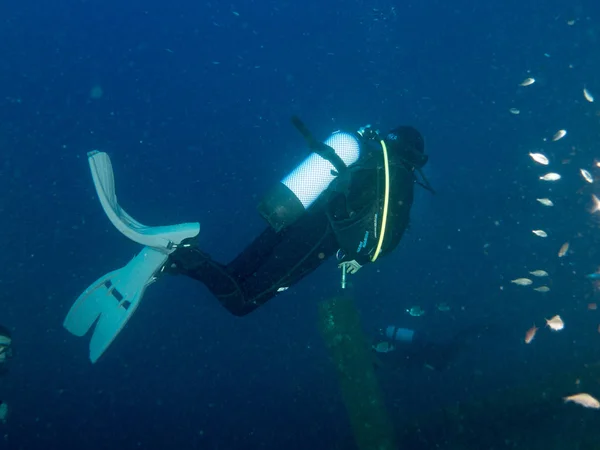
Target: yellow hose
386,201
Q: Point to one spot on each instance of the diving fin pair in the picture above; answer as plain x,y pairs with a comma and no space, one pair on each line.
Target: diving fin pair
111,300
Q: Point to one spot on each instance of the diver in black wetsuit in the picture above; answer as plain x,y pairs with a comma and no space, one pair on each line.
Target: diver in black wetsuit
359,215
403,348
350,197
5,356
5,349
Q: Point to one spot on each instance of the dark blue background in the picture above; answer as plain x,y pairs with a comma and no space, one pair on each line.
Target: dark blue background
195,115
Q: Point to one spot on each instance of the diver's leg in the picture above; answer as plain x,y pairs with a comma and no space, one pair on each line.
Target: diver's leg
192,262
252,257
302,247
272,263
225,282
440,354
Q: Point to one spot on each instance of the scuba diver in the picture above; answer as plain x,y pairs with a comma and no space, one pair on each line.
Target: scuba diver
345,220
5,349
408,348
351,197
5,355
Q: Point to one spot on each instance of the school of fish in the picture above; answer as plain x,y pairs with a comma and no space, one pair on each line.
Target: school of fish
546,158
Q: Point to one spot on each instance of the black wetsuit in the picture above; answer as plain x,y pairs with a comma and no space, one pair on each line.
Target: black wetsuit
425,351
6,350
347,216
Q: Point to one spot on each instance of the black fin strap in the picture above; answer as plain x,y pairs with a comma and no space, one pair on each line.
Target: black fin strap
320,148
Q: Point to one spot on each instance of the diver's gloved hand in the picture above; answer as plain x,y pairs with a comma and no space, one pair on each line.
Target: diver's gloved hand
351,266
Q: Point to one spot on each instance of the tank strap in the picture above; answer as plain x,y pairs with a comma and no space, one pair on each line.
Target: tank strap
320,148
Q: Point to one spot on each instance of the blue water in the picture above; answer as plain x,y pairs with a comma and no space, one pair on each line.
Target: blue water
192,101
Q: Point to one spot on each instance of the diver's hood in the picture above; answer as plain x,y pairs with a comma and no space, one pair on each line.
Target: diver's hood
407,144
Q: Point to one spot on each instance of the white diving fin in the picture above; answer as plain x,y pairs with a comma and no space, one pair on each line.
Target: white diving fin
111,301
156,237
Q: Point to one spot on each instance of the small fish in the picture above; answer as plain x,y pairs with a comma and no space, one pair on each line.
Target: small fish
542,289
585,400
555,324
545,201
559,135
593,276
530,335
539,158
522,281
540,233
563,250
588,96
592,306
539,273
443,307
384,347
415,311
514,111
527,82
596,206
551,177
586,175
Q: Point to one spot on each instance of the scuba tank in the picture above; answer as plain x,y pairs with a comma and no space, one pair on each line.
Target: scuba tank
286,201
399,334
289,199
